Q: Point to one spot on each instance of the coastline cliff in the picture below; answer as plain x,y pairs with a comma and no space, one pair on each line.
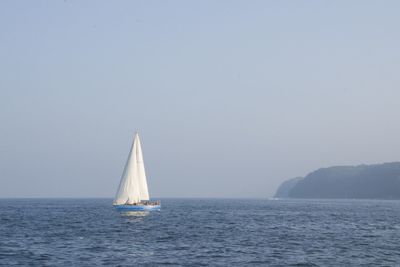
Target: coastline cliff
378,181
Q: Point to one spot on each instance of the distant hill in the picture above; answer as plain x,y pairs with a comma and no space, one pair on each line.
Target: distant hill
378,181
286,186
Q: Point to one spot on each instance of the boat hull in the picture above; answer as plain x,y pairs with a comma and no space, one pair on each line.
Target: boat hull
137,207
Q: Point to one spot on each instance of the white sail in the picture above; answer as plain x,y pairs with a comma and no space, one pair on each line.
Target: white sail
133,186
143,190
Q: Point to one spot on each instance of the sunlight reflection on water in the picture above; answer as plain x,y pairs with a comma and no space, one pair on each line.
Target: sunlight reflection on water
135,213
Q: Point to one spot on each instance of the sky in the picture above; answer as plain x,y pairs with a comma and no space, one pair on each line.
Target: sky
230,98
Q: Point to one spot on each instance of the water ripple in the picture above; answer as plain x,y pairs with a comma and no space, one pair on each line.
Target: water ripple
200,233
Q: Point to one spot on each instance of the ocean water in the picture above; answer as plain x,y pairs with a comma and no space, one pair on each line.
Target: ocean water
200,232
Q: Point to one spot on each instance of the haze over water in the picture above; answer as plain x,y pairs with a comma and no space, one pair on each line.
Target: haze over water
230,97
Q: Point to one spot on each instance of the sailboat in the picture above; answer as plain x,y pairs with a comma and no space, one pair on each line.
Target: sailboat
133,193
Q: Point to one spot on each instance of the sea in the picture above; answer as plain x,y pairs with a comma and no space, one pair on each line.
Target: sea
200,232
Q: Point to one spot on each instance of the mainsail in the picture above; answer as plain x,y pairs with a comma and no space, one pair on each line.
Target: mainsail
133,186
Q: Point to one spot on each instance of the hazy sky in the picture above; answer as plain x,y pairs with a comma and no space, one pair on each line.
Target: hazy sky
230,97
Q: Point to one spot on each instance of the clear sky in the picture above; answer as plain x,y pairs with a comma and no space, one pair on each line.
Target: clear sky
230,97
